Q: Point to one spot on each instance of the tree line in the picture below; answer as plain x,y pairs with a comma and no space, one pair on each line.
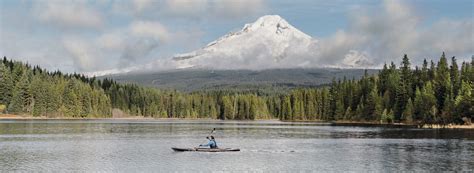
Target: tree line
435,93
32,90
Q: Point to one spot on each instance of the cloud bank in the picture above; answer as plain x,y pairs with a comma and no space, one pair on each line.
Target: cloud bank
85,35
373,37
190,9
68,14
394,29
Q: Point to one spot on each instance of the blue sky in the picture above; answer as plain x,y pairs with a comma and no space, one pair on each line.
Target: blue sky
95,35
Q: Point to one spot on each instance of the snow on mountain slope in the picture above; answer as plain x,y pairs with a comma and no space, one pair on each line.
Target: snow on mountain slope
269,42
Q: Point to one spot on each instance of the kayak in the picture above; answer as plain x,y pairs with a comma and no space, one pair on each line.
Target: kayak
205,149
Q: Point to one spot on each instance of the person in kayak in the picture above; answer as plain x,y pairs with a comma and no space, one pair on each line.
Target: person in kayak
212,143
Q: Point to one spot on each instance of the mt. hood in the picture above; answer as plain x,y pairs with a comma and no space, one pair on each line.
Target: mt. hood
269,42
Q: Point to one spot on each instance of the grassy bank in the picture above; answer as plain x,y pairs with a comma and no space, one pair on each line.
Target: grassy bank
26,117
449,126
378,124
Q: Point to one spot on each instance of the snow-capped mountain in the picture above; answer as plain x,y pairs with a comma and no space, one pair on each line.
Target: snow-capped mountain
269,42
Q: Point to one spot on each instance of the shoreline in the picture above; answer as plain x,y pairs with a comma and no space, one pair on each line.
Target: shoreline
396,125
332,123
28,117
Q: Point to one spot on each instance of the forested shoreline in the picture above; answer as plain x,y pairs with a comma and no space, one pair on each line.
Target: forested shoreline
435,93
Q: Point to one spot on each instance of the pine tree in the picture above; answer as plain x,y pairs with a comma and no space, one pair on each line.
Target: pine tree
39,93
447,112
348,113
386,100
464,102
432,70
455,79
433,115
393,87
286,109
359,111
390,116
6,85
471,69
71,102
17,72
428,106
325,104
383,79
387,116
400,102
340,110
408,112
404,89
406,72
373,108
378,108
442,82
418,106
296,100
333,95
213,111
21,97
55,90
424,73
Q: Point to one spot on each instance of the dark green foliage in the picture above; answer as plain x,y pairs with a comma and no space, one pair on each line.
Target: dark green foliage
442,82
438,94
405,89
455,79
6,83
34,91
21,95
409,112
464,102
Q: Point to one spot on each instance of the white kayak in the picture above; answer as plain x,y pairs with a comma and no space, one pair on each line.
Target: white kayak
206,149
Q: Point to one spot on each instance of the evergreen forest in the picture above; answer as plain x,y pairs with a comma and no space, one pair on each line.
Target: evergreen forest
440,92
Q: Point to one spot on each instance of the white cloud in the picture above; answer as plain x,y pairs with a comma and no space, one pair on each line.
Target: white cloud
68,14
450,36
132,45
374,35
386,35
189,8
215,9
356,59
135,43
149,29
141,5
111,40
136,50
238,8
84,55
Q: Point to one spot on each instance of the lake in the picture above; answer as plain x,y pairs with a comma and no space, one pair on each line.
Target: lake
266,146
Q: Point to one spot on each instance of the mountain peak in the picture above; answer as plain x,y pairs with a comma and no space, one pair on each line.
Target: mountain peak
269,22
270,40
273,17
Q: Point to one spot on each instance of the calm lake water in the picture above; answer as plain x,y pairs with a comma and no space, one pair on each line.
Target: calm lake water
266,146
